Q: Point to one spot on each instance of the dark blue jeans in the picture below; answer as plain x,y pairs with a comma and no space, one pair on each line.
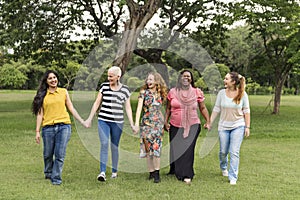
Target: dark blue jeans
55,139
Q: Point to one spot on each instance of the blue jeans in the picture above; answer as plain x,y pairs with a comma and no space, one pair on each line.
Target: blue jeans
112,131
230,142
55,139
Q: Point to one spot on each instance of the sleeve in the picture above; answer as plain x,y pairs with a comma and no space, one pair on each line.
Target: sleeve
200,95
246,104
101,88
127,91
171,94
217,107
142,94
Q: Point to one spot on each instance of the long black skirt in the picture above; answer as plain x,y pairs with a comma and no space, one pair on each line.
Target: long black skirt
182,151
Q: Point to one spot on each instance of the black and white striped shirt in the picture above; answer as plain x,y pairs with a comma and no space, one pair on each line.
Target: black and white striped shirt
112,103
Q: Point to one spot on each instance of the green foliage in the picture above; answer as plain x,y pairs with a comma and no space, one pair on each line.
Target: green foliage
201,84
11,77
213,76
252,86
134,83
69,72
277,23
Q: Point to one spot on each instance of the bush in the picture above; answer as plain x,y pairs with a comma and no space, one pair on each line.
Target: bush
11,78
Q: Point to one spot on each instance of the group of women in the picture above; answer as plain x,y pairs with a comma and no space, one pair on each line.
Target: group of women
181,120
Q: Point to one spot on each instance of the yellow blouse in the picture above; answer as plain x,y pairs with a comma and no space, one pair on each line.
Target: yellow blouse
54,107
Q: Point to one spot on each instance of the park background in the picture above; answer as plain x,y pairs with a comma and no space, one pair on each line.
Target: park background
257,38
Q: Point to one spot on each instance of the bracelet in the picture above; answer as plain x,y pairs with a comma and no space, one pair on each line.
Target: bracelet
37,131
247,127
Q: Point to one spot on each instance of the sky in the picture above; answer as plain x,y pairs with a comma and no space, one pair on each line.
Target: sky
151,23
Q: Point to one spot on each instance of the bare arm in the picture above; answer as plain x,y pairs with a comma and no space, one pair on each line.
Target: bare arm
247,124
39,119
167,115
138,112
72,110
213,117
205,114
129,112
94,109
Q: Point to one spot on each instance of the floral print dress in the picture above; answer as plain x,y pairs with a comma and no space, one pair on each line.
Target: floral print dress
152,121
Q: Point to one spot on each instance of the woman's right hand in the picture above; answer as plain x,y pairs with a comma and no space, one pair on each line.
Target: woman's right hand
167,126
37,137
135,129
87,123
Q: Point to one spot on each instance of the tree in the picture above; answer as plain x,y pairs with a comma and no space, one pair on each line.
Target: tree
40,29
277,23
11,77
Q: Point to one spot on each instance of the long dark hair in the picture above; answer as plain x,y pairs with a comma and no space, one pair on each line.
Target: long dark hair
41,92
179,84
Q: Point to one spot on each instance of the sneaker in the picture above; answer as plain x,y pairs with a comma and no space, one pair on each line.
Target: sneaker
188,181
232,182
101,177
114,175
225,172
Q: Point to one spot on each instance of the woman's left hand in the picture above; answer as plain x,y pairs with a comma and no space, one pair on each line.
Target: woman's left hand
207,126
135,129
247,132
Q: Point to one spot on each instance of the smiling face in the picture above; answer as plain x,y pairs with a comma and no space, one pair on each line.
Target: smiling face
186,79
228,82
150,81
112,78
113,75
52,80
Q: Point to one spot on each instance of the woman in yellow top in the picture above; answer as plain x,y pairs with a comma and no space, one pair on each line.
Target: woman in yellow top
50,107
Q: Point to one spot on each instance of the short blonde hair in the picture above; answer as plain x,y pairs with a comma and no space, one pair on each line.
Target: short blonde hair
116,70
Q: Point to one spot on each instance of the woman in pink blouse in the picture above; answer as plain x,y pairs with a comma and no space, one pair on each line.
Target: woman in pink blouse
184,126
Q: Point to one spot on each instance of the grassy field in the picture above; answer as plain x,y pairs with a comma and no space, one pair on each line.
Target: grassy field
269,164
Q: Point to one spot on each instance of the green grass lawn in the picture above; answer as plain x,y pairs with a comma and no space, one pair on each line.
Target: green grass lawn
269,163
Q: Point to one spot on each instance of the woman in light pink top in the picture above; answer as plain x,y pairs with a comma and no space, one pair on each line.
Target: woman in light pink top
184,127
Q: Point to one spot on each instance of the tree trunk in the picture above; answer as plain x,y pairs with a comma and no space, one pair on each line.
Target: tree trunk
139,17
277,98
278,89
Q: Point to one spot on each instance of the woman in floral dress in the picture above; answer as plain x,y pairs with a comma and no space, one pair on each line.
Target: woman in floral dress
150,101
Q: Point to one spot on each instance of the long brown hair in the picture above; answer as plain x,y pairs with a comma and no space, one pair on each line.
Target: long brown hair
161,86
240,83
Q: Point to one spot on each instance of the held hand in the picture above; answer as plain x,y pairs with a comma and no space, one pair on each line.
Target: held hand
207,126
167,126
135,129
87,123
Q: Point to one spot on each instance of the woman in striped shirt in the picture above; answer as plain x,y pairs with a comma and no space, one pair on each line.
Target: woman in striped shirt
233,105
112,97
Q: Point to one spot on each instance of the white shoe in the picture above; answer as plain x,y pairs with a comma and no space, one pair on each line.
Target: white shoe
101,177
187,181
114,175
225,172
232,182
